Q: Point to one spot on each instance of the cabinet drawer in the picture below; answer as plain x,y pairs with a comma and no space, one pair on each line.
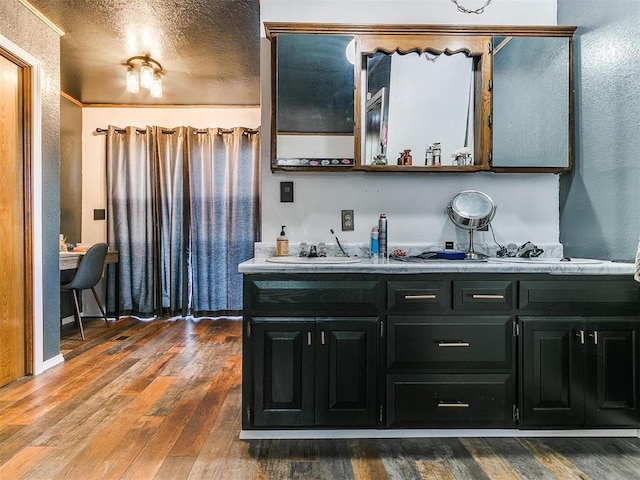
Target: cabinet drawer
586,297
422,401
483,296
464,343
418,297
307,296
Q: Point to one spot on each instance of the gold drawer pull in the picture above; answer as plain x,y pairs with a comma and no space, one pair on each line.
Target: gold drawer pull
430,296
482,296
453,405
454,344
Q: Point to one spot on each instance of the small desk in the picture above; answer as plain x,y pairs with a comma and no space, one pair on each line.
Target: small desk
70,261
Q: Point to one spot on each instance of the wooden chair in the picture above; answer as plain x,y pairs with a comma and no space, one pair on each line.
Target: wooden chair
87,276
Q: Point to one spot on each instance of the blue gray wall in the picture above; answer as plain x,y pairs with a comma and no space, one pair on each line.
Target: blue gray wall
22,28
70,170
600,199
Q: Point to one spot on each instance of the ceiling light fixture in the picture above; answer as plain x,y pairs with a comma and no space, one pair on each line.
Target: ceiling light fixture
143,70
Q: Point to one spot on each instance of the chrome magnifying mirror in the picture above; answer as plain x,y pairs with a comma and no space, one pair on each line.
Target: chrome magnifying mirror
471,210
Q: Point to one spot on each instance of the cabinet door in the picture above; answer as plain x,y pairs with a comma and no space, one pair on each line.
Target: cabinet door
611,391
346,359
283,365
552,366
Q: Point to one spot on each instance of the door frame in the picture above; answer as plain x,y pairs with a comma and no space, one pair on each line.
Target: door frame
32,125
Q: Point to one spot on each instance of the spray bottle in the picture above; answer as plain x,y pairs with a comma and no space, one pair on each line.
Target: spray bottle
382,236
374,243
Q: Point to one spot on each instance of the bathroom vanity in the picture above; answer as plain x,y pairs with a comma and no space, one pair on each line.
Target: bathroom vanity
450,344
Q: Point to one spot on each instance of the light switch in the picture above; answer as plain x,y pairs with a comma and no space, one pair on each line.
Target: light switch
99,214
286,191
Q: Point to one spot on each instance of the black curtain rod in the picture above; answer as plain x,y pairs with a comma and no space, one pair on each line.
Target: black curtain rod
221,131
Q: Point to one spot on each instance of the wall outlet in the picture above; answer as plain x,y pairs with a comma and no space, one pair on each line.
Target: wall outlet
347,220
448,245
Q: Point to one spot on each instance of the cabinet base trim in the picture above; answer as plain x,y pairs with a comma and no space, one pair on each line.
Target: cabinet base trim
428,433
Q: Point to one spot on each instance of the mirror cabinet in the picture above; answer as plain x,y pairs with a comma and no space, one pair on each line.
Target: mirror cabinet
421,98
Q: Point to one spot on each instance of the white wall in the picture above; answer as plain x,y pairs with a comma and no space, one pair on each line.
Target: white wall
528,205
94,146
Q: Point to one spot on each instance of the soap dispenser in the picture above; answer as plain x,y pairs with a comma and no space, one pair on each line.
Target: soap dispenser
282,244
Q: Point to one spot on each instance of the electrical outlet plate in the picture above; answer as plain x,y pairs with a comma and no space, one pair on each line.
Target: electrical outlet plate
347,220
448,245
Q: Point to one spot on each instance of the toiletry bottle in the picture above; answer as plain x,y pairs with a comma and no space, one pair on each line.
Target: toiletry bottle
374,242
282,244
428,156
408,158
382,236
437,152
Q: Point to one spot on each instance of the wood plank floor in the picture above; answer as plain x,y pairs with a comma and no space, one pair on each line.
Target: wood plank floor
161,400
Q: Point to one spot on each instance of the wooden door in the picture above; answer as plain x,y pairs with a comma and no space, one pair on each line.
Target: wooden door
284,367
611,391
552,371
13,272
346,371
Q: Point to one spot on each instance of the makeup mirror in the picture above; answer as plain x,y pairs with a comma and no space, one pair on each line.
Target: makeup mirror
472,210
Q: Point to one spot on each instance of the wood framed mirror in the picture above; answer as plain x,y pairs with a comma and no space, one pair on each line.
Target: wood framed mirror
436,95
312,100
413,87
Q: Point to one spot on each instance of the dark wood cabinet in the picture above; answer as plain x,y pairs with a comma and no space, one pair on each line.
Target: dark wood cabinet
346,382
611,369
314,371
579,372
450,370
459,350
284,366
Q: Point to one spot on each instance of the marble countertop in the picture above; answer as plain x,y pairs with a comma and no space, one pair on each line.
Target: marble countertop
492,265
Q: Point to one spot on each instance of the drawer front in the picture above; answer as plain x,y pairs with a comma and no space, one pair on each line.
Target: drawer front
483,296
314,297
462,343
460,400
418,297
586,297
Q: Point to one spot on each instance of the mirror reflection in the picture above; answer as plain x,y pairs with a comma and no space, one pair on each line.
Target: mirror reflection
531,80
419,102
314,100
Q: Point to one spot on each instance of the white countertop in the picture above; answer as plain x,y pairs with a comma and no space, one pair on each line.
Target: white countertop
492,265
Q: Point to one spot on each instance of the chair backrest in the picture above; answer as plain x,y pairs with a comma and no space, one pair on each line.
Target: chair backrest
90,269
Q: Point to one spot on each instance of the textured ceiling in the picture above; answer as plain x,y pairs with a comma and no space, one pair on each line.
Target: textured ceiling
209,49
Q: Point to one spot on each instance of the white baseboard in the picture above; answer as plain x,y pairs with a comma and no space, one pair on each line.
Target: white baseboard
67,320
52,362
430,433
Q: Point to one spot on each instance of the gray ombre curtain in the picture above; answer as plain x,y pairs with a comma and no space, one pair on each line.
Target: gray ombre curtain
131,214
223,182
172,225
202,188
